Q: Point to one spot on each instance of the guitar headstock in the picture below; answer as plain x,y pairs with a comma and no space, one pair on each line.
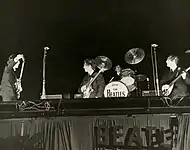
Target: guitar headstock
187,69
23,58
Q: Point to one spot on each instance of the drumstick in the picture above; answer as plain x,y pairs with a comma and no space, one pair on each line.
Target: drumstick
111,79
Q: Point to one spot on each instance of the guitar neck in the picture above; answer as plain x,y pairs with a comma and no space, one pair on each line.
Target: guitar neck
178,77
175,80
91,81
21,71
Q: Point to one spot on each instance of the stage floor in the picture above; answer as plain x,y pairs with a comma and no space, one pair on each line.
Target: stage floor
93,107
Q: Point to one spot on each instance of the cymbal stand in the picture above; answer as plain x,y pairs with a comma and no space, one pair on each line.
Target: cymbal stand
155,69
138,90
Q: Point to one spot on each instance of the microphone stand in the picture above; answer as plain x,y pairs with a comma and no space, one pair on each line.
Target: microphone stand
43,96
155,69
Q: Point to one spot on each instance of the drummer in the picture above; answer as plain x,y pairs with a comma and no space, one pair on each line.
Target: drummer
127,77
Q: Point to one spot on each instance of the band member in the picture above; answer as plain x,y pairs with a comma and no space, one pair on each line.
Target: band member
174,84
92,85
118,70
116,75
10,85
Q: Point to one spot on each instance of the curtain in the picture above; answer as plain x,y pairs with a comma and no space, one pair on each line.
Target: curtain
78,133
39,133
184,133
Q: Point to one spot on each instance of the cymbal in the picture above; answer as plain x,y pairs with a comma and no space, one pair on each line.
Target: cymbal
187,51
103,63
134,56
141,77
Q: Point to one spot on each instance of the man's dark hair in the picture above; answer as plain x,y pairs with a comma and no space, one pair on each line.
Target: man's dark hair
90,62
11,58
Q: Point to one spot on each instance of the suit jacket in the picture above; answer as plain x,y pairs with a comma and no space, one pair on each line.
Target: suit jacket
8,81
180,88
98,85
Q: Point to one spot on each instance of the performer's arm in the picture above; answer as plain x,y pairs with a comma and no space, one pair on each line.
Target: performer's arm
101,86
167,78
84,81
11,63
163,83
12,82
186,77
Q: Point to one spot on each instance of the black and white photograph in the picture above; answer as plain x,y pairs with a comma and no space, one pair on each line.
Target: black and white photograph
95,75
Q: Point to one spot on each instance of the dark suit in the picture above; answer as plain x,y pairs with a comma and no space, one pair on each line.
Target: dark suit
8,89
180,88
98,85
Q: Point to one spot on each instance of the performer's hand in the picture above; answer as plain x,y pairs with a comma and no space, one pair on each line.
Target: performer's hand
183,75
83,88
165,87
18,57
18,86
19,89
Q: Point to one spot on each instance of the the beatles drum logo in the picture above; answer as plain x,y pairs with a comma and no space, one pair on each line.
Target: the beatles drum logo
116,89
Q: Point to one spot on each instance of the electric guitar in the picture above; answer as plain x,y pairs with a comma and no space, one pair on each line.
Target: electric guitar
167,89
88,87
18,83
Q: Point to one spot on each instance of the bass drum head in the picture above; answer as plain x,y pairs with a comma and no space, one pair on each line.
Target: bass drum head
116,89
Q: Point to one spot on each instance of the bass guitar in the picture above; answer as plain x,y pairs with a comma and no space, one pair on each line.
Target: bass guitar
18,83
88,87
167,89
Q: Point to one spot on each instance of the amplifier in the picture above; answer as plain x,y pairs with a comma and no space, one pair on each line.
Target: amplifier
55,96
151,93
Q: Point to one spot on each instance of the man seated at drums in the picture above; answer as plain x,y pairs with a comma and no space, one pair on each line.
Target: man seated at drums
118,70
92,86
127,77
116,75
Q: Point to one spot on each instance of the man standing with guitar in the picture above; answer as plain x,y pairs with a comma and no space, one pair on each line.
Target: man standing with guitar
93,83
10,84
175,83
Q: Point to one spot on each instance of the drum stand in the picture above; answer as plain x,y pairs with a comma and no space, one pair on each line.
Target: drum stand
138,91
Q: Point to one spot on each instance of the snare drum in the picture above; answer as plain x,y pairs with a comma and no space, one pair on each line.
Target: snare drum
128,80
116,89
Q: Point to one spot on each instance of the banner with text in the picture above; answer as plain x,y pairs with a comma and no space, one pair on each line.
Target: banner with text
123,132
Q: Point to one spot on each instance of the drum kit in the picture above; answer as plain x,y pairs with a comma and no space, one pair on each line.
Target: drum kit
128,82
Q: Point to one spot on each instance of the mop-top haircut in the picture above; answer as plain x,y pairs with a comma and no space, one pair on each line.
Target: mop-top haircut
173,58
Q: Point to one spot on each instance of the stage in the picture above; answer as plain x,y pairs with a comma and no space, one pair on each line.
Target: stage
145,123
93,107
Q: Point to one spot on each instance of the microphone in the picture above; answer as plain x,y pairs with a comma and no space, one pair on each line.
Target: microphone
46,48
154,45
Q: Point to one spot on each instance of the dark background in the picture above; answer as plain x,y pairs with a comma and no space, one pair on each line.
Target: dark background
76,30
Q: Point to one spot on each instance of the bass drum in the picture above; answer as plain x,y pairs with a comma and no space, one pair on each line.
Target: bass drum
116,89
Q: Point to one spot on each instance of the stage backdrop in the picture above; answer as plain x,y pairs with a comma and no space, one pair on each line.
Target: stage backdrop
96,133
